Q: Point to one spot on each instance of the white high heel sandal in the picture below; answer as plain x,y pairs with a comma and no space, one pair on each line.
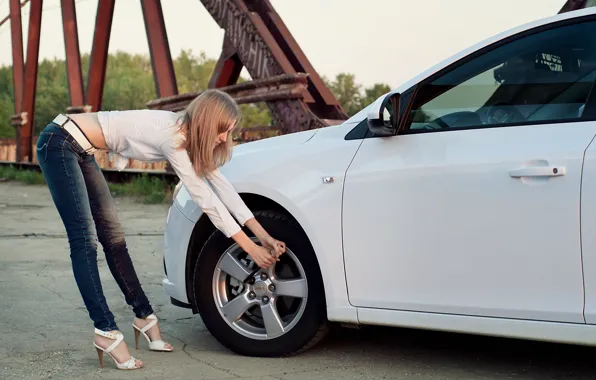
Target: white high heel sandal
156,345
129,364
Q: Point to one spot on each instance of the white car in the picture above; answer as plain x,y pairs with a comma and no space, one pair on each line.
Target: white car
463,201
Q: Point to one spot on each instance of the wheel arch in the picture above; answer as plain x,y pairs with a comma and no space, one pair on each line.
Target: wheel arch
204,228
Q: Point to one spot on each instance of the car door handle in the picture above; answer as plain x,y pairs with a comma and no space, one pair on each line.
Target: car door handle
538,171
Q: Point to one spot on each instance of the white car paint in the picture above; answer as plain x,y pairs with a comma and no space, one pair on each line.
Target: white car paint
430,261
459,235
291,174
588,237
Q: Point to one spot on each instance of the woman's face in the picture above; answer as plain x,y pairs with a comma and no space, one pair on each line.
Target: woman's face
223,137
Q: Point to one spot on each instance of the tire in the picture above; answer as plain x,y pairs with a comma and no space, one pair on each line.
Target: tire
213,288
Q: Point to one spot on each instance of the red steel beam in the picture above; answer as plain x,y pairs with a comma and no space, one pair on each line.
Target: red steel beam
159,49
26,130
8,17
293,52
18,77
229,72
73,56
99,54
228,67
281,87
572,5
261,42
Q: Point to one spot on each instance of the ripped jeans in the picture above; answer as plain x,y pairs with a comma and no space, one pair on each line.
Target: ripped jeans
81,195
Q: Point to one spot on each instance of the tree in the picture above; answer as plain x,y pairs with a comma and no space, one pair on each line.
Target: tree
373,93
6,102
347,92
129,85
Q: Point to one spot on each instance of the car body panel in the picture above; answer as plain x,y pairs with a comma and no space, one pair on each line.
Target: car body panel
291,174
572,333
177,236
295,171
509,247
588,226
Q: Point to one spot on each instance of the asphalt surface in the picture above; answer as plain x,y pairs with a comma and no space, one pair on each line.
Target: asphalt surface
45,332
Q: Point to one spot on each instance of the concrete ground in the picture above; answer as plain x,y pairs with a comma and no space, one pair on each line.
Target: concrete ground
45,332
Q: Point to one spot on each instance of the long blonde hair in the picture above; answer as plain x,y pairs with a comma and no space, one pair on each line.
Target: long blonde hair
208,115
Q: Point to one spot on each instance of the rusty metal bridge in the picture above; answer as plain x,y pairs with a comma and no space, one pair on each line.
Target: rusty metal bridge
255,38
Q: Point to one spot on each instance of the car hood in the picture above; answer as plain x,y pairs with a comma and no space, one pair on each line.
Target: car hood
275,142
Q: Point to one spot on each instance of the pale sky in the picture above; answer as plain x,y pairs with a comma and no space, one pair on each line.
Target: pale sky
378,40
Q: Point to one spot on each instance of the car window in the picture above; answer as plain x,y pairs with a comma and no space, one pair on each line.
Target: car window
543,77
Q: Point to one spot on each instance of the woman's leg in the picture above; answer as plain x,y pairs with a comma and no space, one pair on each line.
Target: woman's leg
111,237
59,163
60,160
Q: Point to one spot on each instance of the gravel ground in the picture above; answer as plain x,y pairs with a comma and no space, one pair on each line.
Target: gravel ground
45,332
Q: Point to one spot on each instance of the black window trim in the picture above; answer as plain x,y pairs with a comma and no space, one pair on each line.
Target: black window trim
588,115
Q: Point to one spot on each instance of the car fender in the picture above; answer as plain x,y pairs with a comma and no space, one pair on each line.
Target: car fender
306,179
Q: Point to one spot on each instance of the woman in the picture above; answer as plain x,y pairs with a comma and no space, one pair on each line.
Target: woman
195,144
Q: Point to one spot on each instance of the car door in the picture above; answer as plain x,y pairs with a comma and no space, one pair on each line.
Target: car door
474,209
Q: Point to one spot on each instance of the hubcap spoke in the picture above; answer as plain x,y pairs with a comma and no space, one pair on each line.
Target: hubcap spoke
233,267
292,288
262,288
273,324
234,309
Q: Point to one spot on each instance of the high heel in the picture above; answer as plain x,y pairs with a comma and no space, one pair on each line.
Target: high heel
100,355
156,345
118,337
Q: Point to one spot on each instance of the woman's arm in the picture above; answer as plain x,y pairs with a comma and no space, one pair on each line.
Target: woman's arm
210,204
230,198
236,205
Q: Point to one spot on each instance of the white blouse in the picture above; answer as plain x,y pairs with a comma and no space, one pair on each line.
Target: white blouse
150,135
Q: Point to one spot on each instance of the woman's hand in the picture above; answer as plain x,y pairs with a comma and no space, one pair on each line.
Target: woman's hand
261,256
266,254
276,247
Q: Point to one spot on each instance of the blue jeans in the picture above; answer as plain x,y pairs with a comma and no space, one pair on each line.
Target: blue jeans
81,195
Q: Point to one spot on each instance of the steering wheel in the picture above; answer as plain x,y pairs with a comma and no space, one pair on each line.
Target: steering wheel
497,115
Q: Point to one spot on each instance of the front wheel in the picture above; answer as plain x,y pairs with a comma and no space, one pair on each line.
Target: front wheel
275,312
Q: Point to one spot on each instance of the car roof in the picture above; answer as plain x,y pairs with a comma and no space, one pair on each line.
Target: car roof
361,115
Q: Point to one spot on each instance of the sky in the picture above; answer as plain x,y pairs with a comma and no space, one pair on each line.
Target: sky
387,41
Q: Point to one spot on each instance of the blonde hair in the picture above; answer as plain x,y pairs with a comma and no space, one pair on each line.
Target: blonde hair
208,115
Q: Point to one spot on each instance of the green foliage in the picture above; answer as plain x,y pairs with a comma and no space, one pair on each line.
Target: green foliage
29,177
193,73
129,85
6,102
373,93
349,93
144,189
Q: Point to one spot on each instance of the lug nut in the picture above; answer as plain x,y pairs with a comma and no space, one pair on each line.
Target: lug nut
252,295
263,276
271,288
251,281
265,299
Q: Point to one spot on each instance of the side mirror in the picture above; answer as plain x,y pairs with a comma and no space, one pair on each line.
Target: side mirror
383,116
